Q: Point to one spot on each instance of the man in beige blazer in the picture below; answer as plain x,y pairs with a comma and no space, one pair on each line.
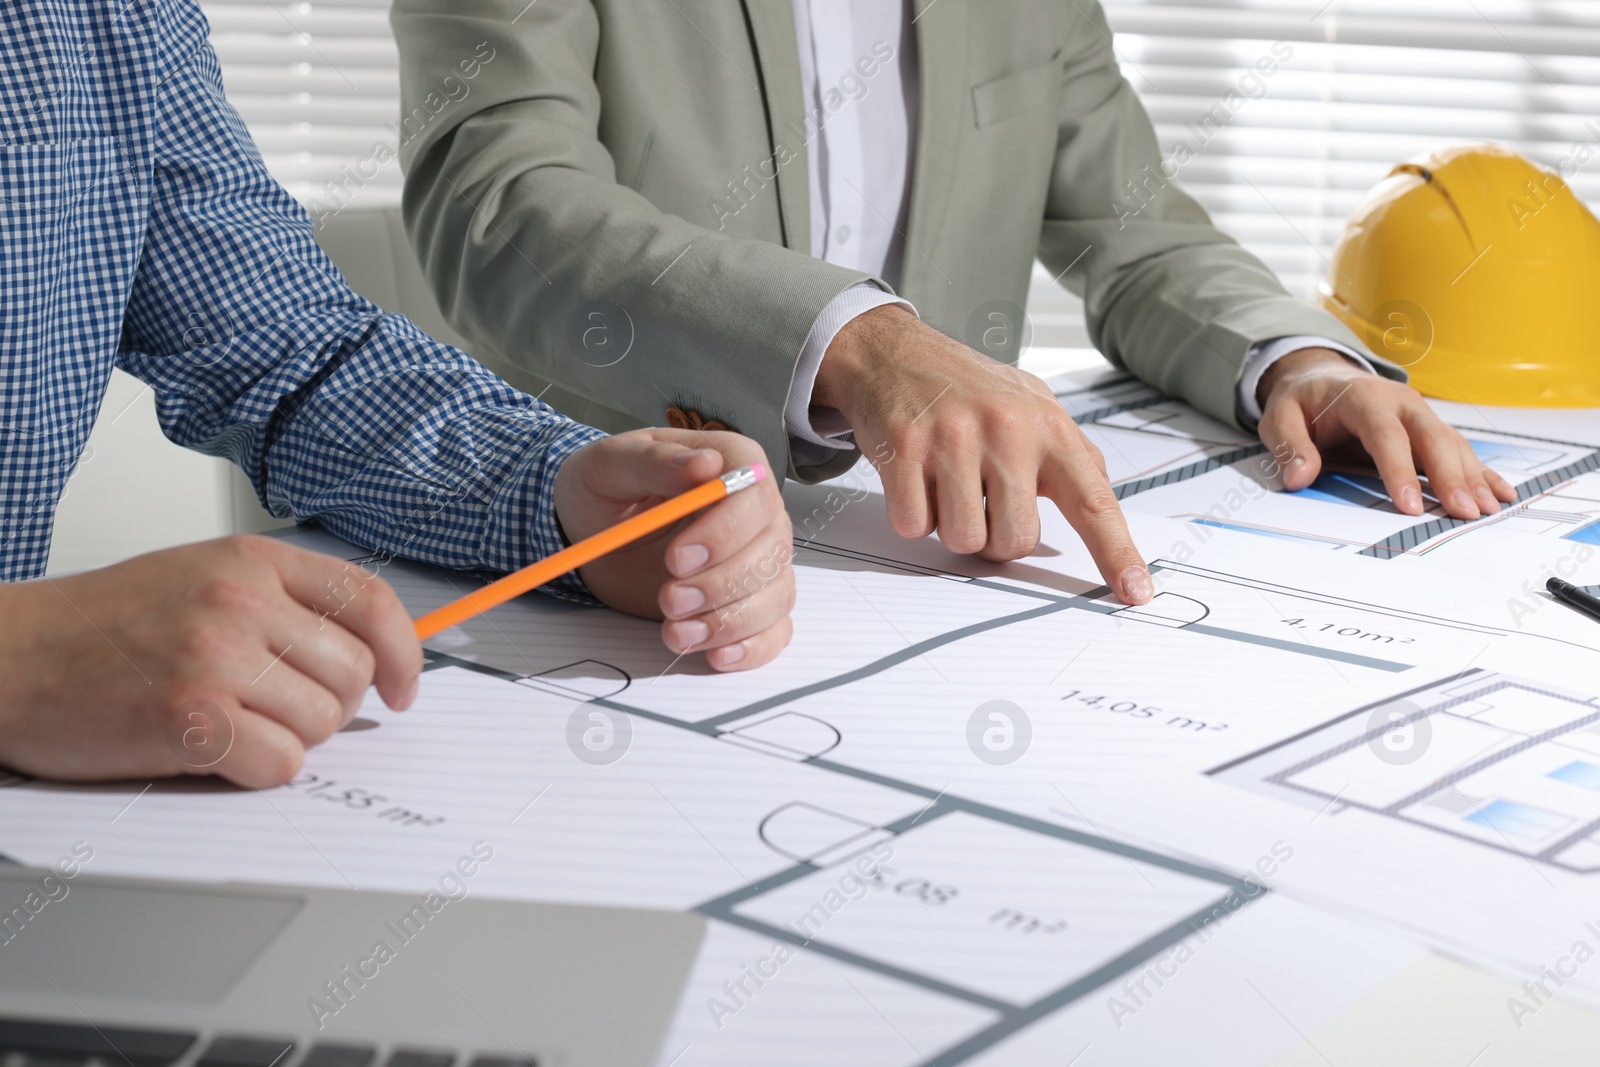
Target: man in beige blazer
814,220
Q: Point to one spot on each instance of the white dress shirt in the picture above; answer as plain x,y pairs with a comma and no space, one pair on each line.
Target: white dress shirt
858,76
858,68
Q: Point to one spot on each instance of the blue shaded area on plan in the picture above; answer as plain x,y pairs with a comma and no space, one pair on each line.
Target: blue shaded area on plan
1352,490
1513,457
1519,820
1250,530
1589,535
1580,773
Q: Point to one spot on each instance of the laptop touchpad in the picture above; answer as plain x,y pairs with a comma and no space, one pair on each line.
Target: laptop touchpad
168,944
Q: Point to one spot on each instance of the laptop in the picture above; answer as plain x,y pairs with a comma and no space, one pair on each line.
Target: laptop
112,972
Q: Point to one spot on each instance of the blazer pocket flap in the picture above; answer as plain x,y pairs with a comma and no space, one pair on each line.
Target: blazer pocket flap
1011,94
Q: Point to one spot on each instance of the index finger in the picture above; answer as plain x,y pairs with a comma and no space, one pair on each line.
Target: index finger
1078,487
366,606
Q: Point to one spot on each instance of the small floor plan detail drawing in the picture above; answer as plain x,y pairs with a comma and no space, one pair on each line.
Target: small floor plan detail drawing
1500,761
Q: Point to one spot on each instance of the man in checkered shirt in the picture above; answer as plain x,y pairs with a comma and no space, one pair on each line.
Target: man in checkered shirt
139,229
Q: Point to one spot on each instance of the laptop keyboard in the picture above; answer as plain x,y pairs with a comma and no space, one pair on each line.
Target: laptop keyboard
26,1043
54,1043
341,1056
245,1052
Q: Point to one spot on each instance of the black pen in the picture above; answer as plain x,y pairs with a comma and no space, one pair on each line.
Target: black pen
1574,597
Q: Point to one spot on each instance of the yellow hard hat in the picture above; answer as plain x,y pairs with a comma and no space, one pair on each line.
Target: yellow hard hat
1479,272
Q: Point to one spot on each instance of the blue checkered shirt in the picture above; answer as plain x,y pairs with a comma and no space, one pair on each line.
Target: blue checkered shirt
139,229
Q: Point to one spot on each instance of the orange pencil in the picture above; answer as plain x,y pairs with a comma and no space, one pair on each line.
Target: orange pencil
586,551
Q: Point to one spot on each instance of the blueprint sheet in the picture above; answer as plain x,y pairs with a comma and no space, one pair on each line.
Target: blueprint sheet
985,813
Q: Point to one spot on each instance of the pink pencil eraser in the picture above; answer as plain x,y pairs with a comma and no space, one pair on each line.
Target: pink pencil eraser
759,470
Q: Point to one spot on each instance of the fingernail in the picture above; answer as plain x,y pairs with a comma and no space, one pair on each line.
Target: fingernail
687,559
1486,501
1462,500
411,694
684,600
683,459
685,635
728,655
1411,500
1136,587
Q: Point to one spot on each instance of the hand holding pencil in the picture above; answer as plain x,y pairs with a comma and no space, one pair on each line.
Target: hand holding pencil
720,578
542,572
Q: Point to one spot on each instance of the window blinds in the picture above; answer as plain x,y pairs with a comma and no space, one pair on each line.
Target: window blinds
318,86
1359,85
1279,159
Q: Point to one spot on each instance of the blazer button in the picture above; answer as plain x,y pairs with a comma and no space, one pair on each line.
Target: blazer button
676,418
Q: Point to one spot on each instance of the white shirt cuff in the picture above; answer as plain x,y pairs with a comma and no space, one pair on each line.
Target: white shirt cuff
817,433
1264,354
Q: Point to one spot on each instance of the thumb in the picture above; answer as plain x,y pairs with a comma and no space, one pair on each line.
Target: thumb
1285,433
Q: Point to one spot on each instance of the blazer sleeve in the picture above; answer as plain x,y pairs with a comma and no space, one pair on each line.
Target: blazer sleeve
529,240
1166,294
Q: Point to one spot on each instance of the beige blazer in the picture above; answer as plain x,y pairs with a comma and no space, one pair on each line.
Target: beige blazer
610,200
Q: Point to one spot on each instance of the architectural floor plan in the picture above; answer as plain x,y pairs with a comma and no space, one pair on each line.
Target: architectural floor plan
899,830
